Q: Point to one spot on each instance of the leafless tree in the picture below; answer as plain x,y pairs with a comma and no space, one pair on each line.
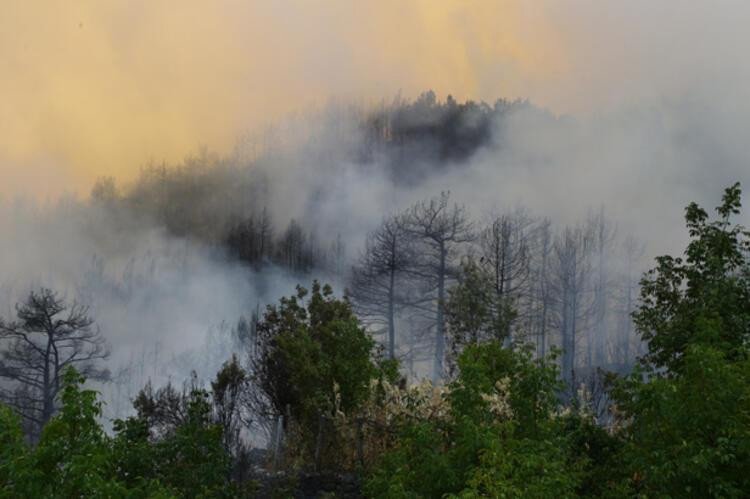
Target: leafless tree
505,248
439,230
265,235
633,250
377,289
46,338
296,249
603,236
570,275
250,239
541,295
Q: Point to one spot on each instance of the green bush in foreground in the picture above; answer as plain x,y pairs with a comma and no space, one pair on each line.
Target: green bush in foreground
504,437
76,458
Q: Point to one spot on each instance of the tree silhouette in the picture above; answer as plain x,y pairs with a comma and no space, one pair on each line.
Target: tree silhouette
47,337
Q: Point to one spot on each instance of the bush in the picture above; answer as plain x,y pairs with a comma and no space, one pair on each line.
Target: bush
76,458
501,437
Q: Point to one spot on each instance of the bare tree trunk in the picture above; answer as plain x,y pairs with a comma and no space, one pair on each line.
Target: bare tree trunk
437,372
391,316
278,435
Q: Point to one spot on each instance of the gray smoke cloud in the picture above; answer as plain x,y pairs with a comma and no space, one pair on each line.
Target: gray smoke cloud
661,93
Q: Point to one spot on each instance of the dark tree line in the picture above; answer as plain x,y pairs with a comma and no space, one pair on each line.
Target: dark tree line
222,201
412,137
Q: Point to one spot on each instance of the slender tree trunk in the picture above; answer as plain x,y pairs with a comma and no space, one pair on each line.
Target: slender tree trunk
440,327
628,328
565,329
391,318
47,388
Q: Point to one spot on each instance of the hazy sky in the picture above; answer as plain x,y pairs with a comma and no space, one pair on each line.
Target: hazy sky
92,87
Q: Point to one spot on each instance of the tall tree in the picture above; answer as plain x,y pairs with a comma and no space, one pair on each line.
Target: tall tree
47,336
505,248
440,230
541,298
296,248
704,297
603,236
570,275
314,358
376,289
628,287
688,405
475,311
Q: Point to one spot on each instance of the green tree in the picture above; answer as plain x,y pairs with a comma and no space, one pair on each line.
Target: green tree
687,409
177,439
689,434
15,470
192,460
76,458
703,297
73,457
314,358
502,438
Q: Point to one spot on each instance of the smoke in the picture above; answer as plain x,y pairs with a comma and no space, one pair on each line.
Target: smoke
156,298
102,88
646,110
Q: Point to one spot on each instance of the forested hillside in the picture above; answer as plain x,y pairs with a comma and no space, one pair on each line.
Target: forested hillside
382,248
462,348
507,413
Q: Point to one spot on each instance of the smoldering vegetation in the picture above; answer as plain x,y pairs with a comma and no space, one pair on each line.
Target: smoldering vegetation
172,264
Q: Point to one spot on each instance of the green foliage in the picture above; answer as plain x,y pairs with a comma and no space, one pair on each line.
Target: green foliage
690,434
497,430
703,298
532,385
188,456
313,354
522,468
72,458
15,469
596,454
475,311
688,420
72,453
502,439
75,458
192,460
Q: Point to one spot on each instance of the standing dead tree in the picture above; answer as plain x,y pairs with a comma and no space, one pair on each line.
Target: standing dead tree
603,236
46,338
438,230
570,275
541,297
627,341
505,246
376,288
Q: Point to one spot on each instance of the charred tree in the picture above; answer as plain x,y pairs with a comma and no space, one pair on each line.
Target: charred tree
570,274
376,288
439,230
47,337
